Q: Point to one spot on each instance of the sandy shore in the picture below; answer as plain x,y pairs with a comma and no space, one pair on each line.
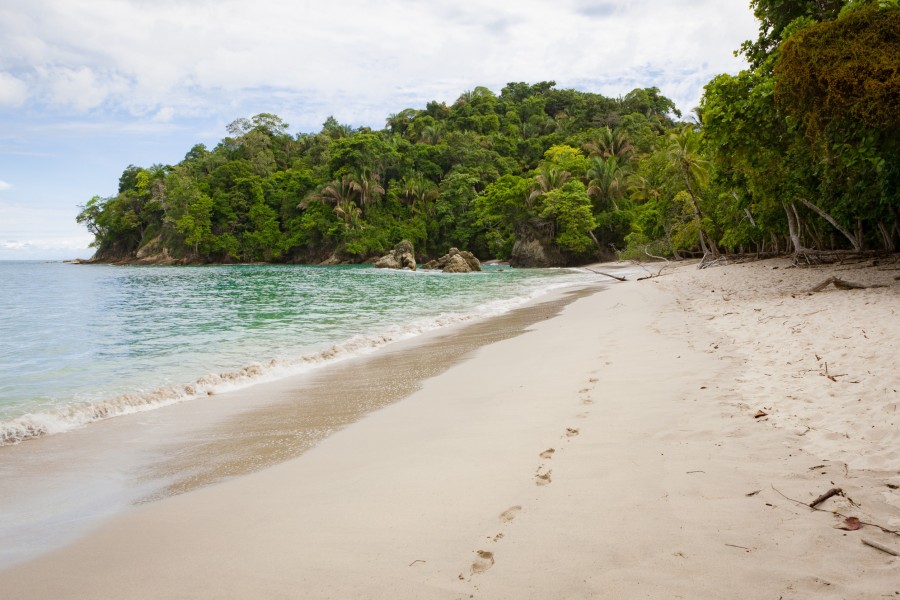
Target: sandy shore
657,439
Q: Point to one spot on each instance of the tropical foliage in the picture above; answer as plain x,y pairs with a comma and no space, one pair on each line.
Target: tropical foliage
800,151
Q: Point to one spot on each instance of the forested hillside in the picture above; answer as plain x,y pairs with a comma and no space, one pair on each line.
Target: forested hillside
799,152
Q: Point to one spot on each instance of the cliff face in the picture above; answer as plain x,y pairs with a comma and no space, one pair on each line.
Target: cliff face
153,252
534,247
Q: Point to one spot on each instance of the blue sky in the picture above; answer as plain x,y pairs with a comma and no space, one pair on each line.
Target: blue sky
88,87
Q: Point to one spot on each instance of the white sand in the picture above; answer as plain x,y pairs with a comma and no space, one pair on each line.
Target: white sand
646,392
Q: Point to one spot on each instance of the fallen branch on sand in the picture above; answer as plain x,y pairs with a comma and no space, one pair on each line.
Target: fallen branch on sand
834,512
825,496
651,274
881,547
616,277
841,285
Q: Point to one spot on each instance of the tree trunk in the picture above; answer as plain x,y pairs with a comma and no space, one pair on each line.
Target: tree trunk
813,232
792,229
698,214
853,240
749,216
798,223
886,235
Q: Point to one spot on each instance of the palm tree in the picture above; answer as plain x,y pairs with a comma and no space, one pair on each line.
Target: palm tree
399,122
339,191
342,195
639,189
419,194
349,213
368,186
548,179
608,178
611,142
431,134
684,154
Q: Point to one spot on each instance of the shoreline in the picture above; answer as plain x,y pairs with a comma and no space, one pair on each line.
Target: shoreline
69,483
175,386
662,480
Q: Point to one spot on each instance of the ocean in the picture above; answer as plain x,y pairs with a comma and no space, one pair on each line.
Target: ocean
84,343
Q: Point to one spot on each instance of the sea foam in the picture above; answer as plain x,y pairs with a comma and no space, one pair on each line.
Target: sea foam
79,414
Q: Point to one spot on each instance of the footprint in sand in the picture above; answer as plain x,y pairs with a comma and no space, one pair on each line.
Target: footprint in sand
483,562
587,401
548,453
593,380
510,513
571,431
543,478
584,391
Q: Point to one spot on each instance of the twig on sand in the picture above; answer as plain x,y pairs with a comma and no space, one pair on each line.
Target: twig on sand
418,560
832,492
881,547
834,512
616,277
736,546
651,274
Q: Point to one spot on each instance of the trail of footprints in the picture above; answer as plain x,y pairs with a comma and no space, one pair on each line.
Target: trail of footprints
484,559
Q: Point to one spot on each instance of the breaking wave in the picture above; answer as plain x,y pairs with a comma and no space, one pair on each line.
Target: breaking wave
66,418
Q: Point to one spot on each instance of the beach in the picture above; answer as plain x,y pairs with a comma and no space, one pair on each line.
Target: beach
648,439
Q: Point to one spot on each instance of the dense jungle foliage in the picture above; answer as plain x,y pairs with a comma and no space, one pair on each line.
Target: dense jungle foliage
799,151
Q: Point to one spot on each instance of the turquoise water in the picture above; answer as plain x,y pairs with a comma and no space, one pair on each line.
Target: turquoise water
81,343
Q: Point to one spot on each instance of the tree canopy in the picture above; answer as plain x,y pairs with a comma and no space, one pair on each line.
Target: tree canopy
800,151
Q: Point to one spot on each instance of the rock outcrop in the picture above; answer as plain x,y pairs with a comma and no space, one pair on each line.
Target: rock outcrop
455,262
534,247
401,257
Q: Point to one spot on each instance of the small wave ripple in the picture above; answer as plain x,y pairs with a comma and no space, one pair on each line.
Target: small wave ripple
79,414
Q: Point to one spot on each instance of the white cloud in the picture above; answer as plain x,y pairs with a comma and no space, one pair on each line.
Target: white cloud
13,91
35,232
190,58
4,185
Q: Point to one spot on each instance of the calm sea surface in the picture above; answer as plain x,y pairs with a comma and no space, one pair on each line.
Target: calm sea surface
81,343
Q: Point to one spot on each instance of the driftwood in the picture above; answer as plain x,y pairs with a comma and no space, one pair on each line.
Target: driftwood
841,285
881,547
651,274
825,496
616,277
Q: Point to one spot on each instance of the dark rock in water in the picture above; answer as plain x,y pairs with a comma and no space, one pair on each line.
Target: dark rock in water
401,257
455,262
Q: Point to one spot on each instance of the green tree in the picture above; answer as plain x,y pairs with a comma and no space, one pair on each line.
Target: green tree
684,154
608,181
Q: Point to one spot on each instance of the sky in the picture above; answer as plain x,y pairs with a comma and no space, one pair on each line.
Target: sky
88,87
